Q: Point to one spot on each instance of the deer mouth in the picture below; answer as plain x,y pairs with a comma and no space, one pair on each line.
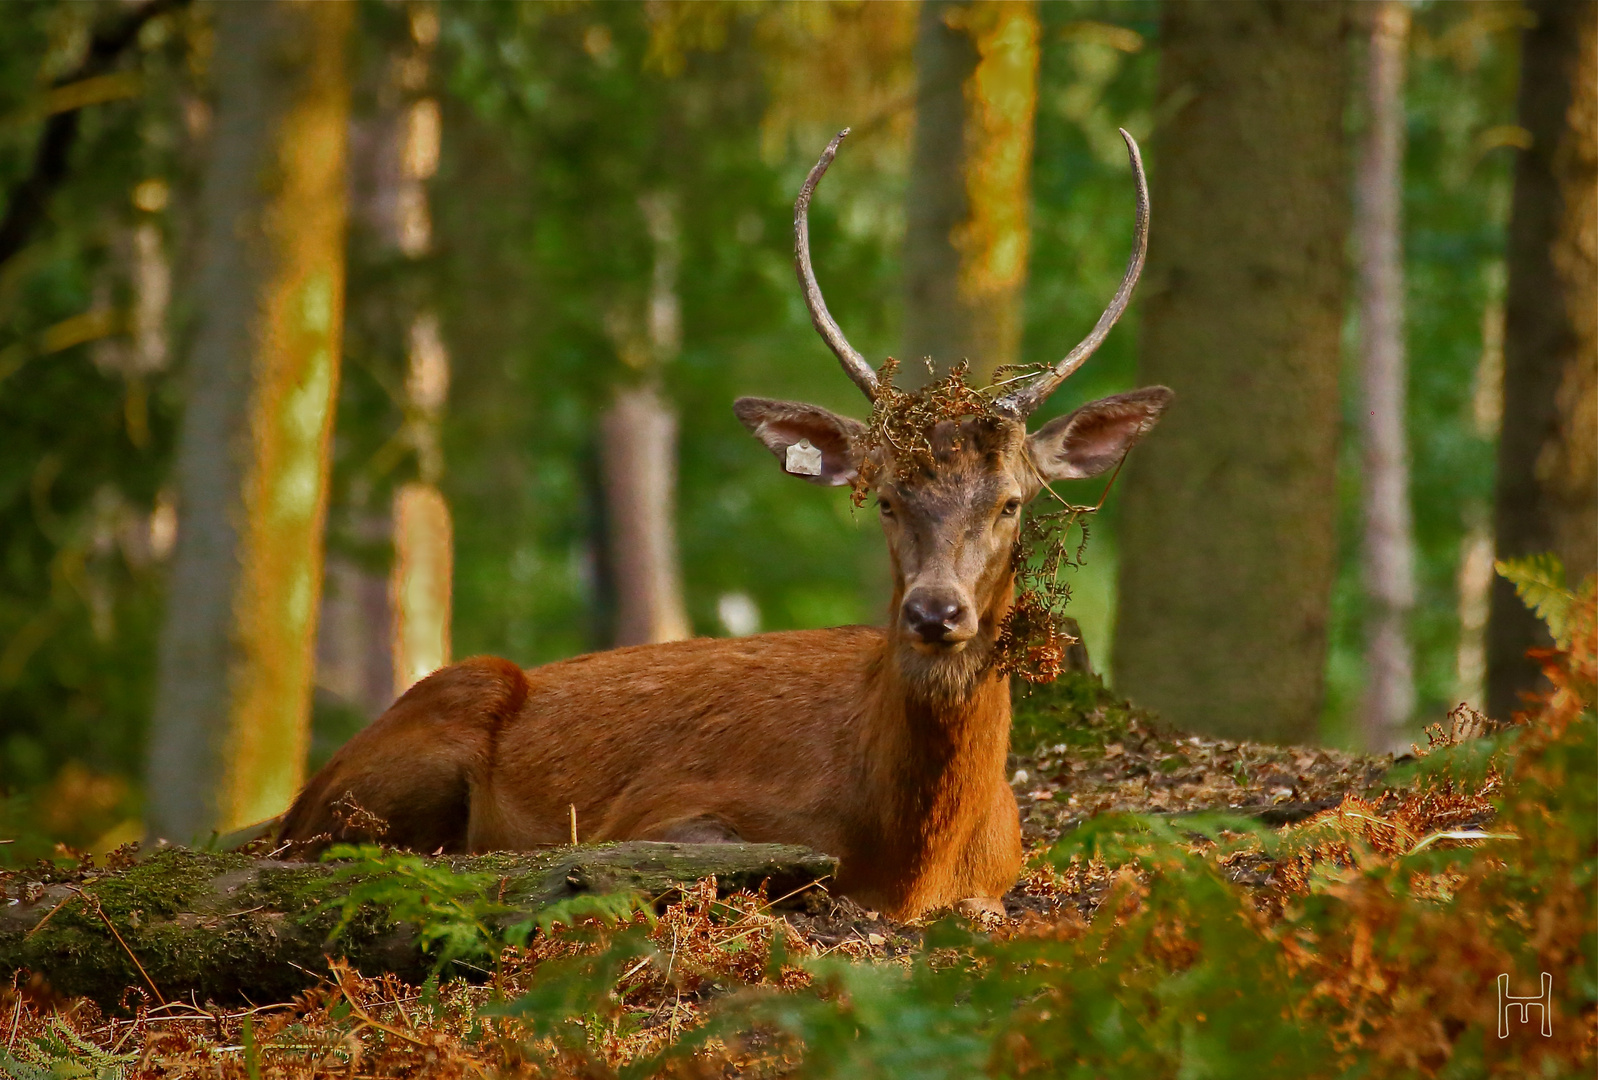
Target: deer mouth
939,648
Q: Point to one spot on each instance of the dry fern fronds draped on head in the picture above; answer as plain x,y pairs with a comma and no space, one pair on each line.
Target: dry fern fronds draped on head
902,421
1033,639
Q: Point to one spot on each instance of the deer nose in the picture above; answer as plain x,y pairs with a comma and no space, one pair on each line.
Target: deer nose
932,618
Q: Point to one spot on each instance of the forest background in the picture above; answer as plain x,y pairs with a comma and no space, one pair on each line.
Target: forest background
555,210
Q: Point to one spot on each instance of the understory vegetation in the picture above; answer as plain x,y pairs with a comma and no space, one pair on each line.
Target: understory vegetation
1211,934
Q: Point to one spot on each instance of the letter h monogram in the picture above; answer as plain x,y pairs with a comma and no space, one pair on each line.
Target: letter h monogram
1524,1005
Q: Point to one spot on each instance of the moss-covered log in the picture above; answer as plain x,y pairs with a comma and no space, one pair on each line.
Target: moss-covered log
228,927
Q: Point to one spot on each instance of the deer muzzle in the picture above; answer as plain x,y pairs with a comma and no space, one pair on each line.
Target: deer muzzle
937,619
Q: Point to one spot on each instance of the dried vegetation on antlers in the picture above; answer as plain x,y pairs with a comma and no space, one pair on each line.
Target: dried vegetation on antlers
1034,636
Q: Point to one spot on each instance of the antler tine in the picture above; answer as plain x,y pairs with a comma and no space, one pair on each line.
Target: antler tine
1022,401
854,365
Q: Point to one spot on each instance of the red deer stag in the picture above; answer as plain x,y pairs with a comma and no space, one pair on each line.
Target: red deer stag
883,747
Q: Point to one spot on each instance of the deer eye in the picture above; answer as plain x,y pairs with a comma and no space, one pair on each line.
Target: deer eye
885,507
1011,508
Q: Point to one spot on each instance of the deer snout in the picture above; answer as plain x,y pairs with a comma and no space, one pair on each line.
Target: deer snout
936,618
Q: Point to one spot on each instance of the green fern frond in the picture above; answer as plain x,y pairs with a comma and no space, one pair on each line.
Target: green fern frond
62,1054
453,911
609,908
1539,580
18,1069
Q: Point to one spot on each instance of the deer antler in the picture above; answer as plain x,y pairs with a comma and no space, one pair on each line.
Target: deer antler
1021,402
854,365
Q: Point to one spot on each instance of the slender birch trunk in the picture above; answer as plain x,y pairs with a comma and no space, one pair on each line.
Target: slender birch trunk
639,456
421,580
1389,535
421,585
967,239
1475,579
640,461
231,723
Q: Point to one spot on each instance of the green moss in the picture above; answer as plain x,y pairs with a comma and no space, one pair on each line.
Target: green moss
1075,709
170,880
230,928
155,906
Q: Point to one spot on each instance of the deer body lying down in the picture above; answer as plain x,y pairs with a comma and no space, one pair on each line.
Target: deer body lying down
883,747
782,737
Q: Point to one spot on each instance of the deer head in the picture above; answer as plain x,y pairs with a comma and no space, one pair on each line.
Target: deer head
951,516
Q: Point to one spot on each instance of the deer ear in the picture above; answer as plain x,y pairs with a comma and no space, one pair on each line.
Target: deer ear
1096,436
809,441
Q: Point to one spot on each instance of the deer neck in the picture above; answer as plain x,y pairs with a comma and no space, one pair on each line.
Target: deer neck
938,746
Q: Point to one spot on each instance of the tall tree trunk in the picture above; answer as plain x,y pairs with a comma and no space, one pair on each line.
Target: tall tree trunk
421,582
381,630
966,238
1475,578
639,455
1389,535
1547,491
1228,533
231,723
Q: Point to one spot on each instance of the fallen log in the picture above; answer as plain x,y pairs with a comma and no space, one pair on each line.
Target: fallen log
230,928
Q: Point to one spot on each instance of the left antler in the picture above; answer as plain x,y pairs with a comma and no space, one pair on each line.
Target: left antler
1021,402
854,365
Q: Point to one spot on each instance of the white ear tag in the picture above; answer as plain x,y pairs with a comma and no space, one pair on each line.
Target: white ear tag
803,459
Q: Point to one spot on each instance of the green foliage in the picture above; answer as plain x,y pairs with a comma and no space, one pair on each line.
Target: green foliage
1178,973
457,914
1122,838
575,987
1095,1005
1075,709
1539,580
610,908
1464,763
85,434
59,1053
447,907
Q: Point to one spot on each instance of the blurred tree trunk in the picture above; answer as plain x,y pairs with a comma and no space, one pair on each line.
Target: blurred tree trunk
966,238
421,581
1389,536
230,726
1547,491
381,630
1228,534
639,454
640,459
353,661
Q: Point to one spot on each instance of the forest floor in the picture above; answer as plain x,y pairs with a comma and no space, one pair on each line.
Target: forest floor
590,999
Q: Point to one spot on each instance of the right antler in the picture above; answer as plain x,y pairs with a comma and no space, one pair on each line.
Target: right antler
1029,396
854,365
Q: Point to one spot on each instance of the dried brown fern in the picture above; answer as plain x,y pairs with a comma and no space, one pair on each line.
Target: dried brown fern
902,422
